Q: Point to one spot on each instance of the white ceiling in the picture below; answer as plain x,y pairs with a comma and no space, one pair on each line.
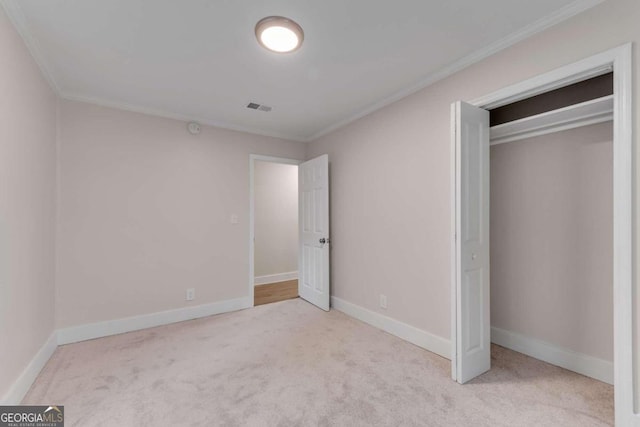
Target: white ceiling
198,59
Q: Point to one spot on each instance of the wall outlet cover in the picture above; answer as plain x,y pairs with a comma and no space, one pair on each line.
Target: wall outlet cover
383,301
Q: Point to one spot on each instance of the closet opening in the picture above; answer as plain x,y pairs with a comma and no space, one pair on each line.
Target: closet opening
551,228
471,155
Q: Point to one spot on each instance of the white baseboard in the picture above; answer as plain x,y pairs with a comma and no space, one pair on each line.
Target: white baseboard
426,340
112,327
21,386
129,324
589,366
274,278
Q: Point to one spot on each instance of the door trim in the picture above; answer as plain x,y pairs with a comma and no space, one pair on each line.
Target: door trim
252,230
619,60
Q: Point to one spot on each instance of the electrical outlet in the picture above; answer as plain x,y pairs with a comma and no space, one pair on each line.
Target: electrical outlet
383,301
234,219
191,294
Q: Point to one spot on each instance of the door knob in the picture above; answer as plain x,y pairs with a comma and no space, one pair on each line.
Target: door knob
324,240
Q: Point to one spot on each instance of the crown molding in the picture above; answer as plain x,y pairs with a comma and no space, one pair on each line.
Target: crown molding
177,116
17,18
542,24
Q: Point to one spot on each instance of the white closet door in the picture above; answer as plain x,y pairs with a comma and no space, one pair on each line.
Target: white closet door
473,345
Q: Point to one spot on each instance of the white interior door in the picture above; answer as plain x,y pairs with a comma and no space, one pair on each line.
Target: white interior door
313,220
473,334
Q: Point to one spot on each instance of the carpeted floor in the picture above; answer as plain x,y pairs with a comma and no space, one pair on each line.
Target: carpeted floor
291,364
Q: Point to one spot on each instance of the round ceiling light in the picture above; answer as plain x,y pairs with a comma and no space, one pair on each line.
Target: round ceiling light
279,34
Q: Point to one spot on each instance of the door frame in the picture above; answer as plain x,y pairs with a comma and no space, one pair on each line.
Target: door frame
618,60
252,231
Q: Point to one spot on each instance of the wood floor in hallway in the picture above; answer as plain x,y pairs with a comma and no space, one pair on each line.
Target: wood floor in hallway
274,292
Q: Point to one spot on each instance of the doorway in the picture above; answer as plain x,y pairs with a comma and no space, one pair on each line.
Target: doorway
471,334
313,239
275,229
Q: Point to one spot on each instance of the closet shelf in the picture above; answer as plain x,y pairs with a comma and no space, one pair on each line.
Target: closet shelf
594,111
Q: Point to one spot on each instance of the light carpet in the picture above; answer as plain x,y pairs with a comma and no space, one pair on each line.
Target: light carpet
291,364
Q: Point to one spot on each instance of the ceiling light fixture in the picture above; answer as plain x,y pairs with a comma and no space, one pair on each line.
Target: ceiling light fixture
279,34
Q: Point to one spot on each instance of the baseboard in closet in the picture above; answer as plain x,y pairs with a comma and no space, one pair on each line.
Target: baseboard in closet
601,370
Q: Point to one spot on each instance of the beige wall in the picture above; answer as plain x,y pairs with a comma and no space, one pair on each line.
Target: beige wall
144,206
390,171
27,206
552,239
145,213
276,218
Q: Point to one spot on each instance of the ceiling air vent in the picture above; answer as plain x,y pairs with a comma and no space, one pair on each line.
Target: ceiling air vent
255,106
